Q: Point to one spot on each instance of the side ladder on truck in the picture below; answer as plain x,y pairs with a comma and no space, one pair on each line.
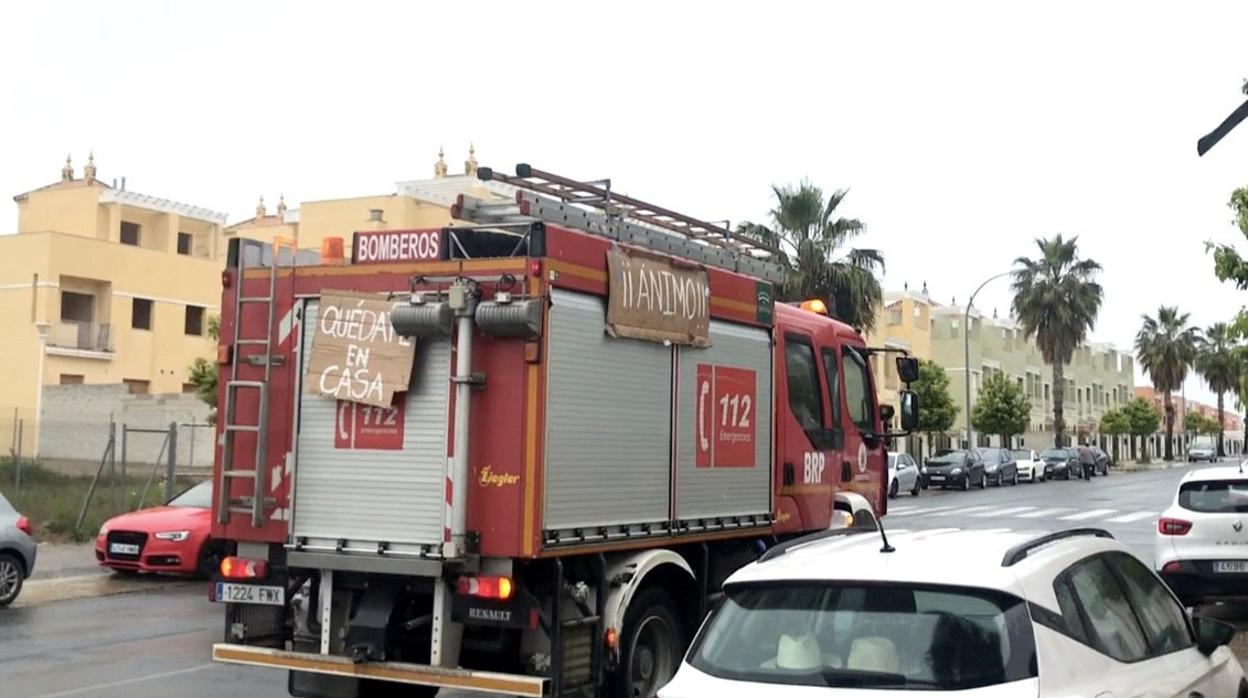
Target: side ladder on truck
255,504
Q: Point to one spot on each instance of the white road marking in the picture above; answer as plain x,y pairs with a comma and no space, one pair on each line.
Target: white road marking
1044,512
126,682
963,510
1134,516
905,511
901,510
1085,515
1008,511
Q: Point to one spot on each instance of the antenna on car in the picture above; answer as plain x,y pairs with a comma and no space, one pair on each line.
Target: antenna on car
884,537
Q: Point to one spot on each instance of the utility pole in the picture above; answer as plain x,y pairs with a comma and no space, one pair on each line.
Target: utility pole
966,354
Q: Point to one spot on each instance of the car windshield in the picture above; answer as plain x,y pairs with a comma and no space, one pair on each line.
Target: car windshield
1020,455
198,496
892,460
1055,453
1214,496
950,457
883,637
990,454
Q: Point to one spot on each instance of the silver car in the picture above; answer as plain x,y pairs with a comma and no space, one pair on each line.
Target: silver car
903,475
17,552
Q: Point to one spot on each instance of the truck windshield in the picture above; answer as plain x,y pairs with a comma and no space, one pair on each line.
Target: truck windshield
1215,496
907,637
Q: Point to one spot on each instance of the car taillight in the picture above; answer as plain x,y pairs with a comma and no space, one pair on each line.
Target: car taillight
242,568
1172,567
496,588
23,525
1173,527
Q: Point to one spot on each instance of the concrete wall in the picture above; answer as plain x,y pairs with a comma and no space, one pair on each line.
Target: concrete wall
75,423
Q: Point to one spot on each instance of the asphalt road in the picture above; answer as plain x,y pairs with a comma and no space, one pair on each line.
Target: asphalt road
156,644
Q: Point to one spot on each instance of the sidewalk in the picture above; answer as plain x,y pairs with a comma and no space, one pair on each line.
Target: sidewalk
56,560
65,571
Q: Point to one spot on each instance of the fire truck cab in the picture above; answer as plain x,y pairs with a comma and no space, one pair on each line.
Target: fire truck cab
520,454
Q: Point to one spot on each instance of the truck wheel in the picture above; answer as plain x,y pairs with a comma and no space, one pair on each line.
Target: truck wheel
372,688
209,559
10,578
653,643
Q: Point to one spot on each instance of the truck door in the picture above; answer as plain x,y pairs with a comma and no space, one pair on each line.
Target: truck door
810,443
863,455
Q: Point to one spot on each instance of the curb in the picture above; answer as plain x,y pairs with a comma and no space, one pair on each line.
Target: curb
42,591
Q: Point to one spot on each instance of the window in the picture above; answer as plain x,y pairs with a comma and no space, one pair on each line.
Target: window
893,637
184,243
833,374
130,233
1163,619
188,388
1214,496
803,381
141,314
1112,622
136,386
194,320
77,307
71,379
857,389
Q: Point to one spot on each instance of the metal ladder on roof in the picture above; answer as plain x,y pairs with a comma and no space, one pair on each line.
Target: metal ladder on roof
594,208
255,504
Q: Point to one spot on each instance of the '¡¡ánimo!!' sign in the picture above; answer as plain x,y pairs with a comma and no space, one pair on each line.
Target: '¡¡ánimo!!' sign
651,299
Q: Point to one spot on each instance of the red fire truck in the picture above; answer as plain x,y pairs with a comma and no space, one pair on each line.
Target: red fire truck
520,454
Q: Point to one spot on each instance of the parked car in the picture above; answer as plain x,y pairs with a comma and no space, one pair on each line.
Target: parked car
959,469
1201,542
1103,460
1030,467
17,552
174,538
999,466
903,474
1202,448
1060,462
1021,614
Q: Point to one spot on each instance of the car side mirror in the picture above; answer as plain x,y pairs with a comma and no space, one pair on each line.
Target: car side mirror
908,369
1212,633
909,410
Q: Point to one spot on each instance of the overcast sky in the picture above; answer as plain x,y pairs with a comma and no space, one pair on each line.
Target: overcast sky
964,131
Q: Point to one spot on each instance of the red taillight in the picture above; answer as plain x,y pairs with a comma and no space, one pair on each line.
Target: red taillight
1173,527
1172,567
242,568
23,525
496,588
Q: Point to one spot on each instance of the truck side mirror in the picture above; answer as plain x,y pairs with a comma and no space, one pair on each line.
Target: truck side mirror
909,407
907,369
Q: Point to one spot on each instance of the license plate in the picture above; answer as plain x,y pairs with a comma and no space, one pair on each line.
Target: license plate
1231,567
251,593
936,478
123,548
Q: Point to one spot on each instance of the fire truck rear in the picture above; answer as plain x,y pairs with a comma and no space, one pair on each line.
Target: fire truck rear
520,454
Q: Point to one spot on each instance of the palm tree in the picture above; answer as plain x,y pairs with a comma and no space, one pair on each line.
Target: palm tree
1217,362
1056,299
1166,346
812,237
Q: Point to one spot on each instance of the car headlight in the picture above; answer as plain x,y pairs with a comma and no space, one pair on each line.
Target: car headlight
104,530
991,468
955,471
175,536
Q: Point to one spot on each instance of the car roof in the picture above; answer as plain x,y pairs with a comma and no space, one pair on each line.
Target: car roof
1221,472
919,557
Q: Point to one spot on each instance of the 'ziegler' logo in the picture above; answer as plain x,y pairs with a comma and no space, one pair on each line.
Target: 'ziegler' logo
489,478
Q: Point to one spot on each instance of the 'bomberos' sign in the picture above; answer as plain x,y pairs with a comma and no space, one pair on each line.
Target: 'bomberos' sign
356,354
651,299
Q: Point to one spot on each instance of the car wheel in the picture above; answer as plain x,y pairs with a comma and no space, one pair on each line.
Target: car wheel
983,481
915,492
1066,475
966,483
11,574
892,490
1014,480
652,645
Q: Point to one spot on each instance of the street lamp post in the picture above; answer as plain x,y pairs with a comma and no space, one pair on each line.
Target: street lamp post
966,354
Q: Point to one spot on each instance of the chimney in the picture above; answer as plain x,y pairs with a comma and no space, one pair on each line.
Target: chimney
67,172
88,172
439,167
470,165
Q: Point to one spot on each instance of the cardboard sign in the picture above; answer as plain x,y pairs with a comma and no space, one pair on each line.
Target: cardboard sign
651,299
359,426
726,421
370,247
356,354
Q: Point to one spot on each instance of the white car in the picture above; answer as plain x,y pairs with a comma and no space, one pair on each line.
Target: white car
1030,467
1202,449
1201,542
976,613
903,474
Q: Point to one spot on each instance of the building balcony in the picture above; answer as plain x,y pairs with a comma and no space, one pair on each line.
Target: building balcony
70,338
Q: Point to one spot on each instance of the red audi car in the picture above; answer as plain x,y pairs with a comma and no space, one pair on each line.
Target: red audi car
174,538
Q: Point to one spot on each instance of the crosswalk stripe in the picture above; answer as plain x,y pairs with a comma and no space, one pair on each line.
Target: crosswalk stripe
962,510
1134,516
1044,512
901,510
1007,511
1085,515
907,511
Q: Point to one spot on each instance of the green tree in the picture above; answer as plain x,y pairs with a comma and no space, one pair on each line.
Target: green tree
1228,264
202,373
1143,421
805,227
1056,300
1166,346
1197,423
1219,362
1001,409
936,409
1115,423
